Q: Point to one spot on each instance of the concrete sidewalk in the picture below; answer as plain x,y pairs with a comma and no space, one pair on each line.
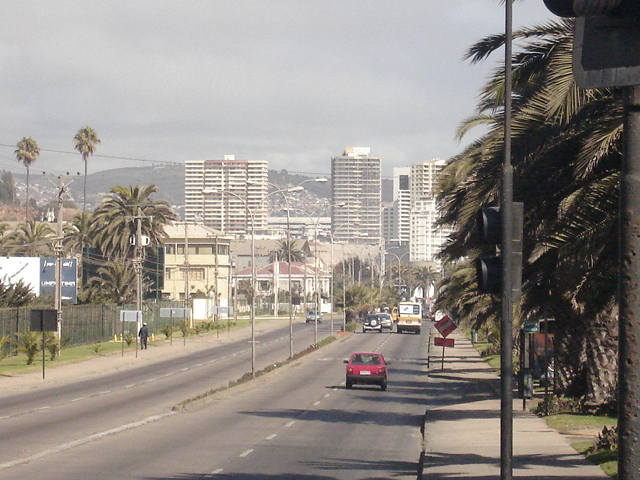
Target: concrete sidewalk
462,427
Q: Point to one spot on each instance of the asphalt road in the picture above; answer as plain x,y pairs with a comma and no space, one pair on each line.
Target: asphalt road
298,422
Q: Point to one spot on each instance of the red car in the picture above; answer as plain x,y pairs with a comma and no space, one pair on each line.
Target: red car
368,369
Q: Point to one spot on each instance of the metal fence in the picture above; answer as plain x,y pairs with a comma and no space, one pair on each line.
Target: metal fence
84,324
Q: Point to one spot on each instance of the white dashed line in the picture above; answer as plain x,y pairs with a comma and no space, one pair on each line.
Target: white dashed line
130,385
6,416
184,369
290,423
246,452
104,392
316,403
326,395
199,364
77,399
216,471
271,437
43,408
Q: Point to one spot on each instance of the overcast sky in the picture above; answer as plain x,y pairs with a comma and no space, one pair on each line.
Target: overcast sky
289,81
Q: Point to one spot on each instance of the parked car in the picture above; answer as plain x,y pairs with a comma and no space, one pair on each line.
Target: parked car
386,321
372,322
367,369
312,317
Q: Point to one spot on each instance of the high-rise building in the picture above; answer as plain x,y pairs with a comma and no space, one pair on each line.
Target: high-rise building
226,194
356,196
402,205
426,239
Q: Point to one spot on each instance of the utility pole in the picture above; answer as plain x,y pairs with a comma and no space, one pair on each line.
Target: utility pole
59,251
186,268
138,257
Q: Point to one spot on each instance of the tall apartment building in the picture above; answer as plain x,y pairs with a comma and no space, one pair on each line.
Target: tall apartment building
356,196
402,205
426,239
226,194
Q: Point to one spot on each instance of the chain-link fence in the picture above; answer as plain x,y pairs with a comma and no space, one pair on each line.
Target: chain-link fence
84,324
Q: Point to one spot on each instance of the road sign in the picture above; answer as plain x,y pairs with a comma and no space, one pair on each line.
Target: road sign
44,320
445,326
174,312
130,315
444,342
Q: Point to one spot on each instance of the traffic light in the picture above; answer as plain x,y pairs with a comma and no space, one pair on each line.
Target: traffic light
606,36
489,268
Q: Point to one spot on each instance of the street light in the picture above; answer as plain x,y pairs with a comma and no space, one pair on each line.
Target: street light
399,273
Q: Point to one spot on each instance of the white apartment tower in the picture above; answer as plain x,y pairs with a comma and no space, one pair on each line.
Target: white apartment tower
426,239
356,196
226,194
402,205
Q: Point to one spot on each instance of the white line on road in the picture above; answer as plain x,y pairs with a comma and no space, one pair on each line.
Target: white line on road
77,399
290,423
82,441
184,369
43,408
326,395
271,437
131,385
316,403
6,416
104,392
246,452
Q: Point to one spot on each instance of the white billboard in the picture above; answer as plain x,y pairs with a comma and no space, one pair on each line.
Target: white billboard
27,269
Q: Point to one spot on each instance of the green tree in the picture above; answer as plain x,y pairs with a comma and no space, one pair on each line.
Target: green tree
282,252
31,239
27,152
16,295
85,142
360,300
7,188
113,223
114,283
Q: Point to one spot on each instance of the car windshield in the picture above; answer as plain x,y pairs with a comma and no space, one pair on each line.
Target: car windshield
365,359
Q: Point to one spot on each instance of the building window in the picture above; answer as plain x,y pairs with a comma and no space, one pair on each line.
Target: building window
170,249
223,249
169,273
196,274
180,249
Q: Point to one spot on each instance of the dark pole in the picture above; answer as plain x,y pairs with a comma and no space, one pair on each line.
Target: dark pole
629,336
506,360
42,331
442,365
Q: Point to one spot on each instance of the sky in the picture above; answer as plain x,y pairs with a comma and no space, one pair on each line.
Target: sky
289,81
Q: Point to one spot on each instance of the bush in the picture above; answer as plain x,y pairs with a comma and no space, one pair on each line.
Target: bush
167,331
128,338
607,440
184,329
553,404
97,348
29,344
52,345
4,339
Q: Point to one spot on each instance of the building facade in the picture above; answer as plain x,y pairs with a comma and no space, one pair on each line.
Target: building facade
356,196
402,206
426,239
227,194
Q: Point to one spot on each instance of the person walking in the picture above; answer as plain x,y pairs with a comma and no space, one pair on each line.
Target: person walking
144,335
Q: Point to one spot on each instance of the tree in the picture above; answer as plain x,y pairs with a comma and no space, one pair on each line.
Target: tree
282,253
31,239
568,140
7,188
114,283
113,223
16,294
27,152
85,142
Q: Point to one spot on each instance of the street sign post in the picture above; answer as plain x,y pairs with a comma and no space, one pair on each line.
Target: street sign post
173,312
445,326
444,343
44,321
131,316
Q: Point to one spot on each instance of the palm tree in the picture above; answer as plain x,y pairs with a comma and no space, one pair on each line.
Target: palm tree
282,253
113,223
568,140
31,239
85,142
27,152
114,283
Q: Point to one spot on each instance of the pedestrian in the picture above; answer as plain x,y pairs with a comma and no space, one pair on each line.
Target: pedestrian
144,335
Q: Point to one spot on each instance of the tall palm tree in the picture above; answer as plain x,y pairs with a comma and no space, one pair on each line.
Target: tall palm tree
85,142
568,140
113,222
114,283
27,152
282,252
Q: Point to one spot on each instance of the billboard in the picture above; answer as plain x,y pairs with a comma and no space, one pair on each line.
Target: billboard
39,273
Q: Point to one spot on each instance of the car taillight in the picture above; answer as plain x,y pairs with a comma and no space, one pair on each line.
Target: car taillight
349,370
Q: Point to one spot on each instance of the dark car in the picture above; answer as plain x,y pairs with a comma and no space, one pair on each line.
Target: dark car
367,369
372,322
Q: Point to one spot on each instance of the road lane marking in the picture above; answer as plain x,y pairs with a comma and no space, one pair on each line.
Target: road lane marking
326,395
271,437
130,385
6,416
77,399
290,423
246,452
184,369
316,403
42,408
104,392
84,440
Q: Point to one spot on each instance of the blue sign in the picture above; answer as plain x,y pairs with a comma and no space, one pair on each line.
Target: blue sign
69,278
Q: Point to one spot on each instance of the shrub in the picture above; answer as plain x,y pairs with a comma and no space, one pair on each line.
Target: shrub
184,329
128,338
606,440
4,339
29,344
97,348
167,331
554,404
52,345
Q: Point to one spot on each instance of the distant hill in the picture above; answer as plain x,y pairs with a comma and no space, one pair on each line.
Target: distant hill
170,182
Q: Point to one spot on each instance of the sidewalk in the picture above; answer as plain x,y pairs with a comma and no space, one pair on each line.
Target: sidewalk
105,364
462,427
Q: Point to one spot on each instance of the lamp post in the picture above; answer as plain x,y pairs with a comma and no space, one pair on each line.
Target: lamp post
398,258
